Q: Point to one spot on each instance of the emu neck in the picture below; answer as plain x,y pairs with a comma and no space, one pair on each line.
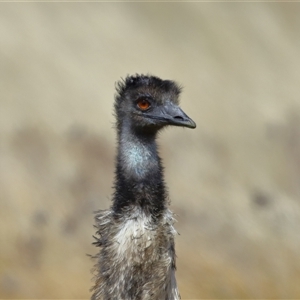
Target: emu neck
139,178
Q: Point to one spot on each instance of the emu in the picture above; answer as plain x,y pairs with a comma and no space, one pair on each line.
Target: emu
136,235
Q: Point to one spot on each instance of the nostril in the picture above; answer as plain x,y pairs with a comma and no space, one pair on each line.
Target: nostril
179,118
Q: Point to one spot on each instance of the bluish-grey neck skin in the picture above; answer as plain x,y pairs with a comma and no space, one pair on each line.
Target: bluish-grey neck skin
139,177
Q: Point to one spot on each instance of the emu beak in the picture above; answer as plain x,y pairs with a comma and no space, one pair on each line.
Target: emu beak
174,115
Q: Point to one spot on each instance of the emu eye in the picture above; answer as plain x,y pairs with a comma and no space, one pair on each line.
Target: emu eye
143,104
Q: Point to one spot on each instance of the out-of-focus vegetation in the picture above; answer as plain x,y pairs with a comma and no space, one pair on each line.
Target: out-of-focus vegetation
234,181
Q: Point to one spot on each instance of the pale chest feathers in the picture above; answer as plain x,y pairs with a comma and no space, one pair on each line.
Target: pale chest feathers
137,239
138,254
133,238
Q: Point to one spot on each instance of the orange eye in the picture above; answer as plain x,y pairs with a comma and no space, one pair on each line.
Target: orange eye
143,104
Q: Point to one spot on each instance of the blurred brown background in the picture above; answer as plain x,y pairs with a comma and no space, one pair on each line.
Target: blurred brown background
233,181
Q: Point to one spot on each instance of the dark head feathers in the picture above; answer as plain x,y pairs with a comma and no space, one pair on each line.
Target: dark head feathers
137,81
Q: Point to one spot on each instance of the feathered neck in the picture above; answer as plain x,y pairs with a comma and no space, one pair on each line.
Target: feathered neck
139,177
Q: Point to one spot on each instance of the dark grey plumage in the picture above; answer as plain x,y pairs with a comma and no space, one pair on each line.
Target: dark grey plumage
136,235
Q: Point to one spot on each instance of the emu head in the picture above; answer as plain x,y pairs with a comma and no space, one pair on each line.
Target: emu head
147,103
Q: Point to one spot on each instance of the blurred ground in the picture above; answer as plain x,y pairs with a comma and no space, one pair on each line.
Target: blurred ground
234,181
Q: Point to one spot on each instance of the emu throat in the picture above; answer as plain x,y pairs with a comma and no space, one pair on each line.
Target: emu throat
139,178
